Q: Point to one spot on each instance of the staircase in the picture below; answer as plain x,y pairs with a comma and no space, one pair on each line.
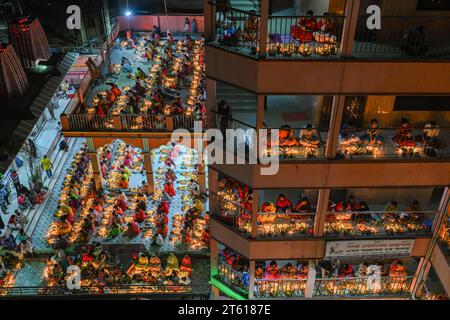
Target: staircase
238,99
246,5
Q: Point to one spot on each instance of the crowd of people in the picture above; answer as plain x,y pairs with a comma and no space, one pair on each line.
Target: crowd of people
277,278
102,271
306,145
176,70
352,217
404,140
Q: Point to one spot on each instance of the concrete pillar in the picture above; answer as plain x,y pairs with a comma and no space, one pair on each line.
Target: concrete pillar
335,126
350,25
96,169
251,285
321,212
213,177
210,19
260,107
211,103
214,256
255,211
202,175
437,225
263,28
149,171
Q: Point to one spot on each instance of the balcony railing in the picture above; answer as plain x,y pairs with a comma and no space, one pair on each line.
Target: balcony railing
299,144
283,288
403,37
424,293
444,238
358,144
89,122
233,278
299,37
378,223
269,225
129,122
288,36
285,225
234,215
237,30
387,286
105,290
143,122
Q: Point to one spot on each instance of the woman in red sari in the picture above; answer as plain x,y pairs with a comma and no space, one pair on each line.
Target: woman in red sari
303,31
169,189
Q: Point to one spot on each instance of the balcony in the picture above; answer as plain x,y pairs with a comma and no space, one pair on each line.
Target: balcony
320,36
362,287
289,37
386,143
379,224
133,123
281,225
404,37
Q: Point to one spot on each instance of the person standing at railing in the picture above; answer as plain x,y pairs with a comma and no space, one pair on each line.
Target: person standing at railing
187,25
225,116
194,26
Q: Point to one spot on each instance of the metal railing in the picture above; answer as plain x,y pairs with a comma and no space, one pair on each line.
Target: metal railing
378,223
233,215
298,145
424,293
183,121
395,285
231,277
402,36
143,122
304,36
237,30
444,238
282,288
387,144
104,290
90,122
284,225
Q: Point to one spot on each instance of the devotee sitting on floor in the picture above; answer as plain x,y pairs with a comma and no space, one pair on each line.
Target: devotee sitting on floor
289,271
404,134
373,135
303,204
139,215
272,271
286,137
133,229
140,74
268,207
124,182
397,269
126,65
303,31
346,271
283,204
309,137
429,138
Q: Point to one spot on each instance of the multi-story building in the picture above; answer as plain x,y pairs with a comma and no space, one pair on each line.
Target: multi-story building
362,111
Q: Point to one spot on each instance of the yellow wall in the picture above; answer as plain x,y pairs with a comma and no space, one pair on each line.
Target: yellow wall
381,108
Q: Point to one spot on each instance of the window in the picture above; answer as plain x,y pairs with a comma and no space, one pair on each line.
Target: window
433,4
